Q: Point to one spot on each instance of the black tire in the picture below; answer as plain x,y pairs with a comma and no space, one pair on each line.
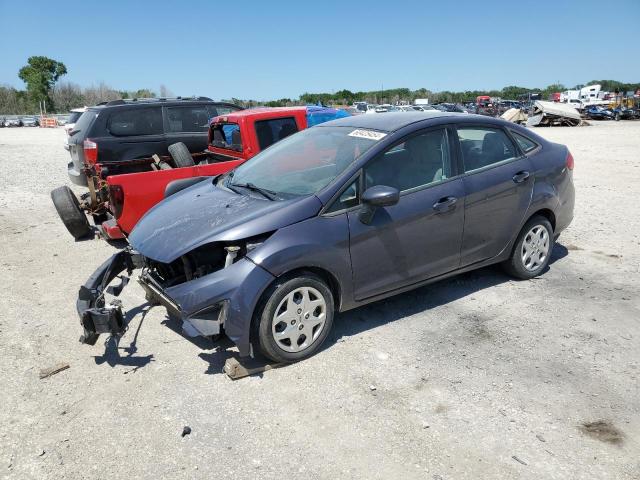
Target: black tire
266,310
72,216
181,155
516,266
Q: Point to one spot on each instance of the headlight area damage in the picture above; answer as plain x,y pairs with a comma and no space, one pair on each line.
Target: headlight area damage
210,288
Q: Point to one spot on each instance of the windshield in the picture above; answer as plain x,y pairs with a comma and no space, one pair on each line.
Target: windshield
306,162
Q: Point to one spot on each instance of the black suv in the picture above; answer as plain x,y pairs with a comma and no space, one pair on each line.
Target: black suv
119,132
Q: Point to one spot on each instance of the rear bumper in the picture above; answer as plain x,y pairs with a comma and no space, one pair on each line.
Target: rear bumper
223,299
566,202
76,175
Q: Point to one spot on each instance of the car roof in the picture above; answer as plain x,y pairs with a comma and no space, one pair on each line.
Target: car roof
157,102
257,110
390,121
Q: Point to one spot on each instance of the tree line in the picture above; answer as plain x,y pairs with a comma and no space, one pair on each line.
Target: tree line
396,95
41,75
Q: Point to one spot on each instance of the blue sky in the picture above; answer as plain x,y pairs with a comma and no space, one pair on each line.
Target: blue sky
273,49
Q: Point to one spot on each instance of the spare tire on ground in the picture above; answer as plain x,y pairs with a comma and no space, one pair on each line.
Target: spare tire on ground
181,155
72,216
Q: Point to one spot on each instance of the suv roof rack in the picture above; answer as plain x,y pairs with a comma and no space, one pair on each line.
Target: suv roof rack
125,101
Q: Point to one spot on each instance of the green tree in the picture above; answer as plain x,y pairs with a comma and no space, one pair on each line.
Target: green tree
40,74
143,93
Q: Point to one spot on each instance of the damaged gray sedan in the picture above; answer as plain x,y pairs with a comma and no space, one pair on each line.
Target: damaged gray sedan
338,216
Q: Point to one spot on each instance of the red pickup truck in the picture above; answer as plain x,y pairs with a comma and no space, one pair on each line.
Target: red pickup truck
233,139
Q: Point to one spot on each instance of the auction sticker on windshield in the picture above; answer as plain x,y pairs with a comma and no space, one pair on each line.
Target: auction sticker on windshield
370,134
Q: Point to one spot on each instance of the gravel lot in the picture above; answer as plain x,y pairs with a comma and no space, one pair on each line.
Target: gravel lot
476,377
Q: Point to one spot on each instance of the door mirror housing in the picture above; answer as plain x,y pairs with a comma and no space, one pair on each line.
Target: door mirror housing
374,197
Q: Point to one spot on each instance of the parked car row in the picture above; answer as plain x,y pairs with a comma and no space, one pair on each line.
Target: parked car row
363,107
263,228
596,112
28,121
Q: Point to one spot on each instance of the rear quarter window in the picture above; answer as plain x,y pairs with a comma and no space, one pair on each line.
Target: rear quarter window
526,144
134,122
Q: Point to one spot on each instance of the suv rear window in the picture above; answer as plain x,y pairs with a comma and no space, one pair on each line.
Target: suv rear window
85,121
272,131
139,121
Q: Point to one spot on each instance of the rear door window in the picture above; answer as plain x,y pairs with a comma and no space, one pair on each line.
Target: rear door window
137,121
194,118
272,131
215,110
484,146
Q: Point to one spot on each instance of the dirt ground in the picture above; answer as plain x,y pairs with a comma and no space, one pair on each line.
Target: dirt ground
477,377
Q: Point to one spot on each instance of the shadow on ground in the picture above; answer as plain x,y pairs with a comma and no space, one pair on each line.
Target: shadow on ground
424,298
347,324
112,348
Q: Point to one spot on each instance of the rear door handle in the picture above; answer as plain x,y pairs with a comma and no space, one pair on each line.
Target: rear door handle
444,204
520,177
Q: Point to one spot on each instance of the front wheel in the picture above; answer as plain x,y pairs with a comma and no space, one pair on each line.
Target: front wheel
295,319
531,253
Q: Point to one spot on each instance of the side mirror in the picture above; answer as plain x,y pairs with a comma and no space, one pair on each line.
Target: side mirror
374,197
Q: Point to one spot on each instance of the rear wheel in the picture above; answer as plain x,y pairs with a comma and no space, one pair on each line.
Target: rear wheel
72,216
181,155
295,319
532,250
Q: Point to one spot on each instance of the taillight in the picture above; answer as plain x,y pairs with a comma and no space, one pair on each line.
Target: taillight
569,161
116,200
90,151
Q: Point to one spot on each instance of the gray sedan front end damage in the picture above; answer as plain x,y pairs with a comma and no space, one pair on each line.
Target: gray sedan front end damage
206,304
197,264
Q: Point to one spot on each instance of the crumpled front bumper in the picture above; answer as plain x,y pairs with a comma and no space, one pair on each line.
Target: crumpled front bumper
225,299
95,316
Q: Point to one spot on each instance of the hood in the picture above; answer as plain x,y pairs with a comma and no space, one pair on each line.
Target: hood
205,213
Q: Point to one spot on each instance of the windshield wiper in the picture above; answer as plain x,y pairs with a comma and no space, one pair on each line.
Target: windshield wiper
268,194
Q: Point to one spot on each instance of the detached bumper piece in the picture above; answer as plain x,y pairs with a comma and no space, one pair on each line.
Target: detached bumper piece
95,316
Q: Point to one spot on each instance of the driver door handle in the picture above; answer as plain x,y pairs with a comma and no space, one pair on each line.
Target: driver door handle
445,204
520,176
